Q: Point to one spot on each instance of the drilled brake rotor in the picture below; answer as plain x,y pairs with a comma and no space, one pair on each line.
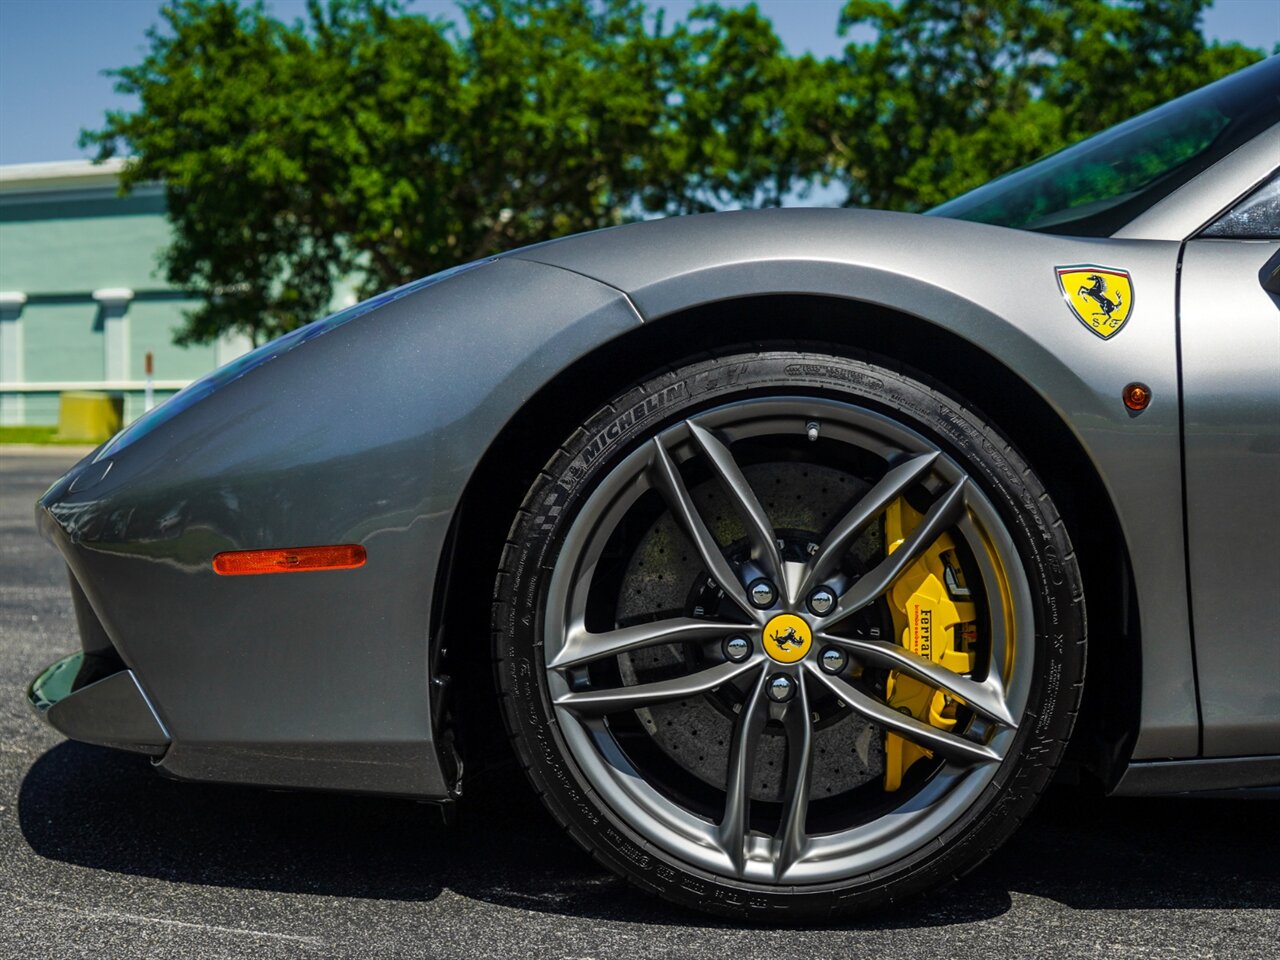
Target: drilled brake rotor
664,575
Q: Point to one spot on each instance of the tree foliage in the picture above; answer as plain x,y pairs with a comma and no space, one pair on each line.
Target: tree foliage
373,143
951,93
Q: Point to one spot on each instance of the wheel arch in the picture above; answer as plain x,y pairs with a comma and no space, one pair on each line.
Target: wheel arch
1109,717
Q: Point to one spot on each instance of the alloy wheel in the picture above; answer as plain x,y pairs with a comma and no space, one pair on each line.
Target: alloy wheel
792,645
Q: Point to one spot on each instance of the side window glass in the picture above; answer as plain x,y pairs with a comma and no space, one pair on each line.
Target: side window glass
1256,217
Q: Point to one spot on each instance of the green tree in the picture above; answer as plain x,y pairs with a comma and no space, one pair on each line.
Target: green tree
371,143
738,131
950,93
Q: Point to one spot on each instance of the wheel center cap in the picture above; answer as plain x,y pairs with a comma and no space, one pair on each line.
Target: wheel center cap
787,638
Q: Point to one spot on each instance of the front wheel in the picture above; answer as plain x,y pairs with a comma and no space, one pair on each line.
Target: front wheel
787,634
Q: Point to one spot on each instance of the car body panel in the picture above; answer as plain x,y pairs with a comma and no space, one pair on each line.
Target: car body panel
1231,395
112,711
364,435
371,432
1236,776
997,289
1196,203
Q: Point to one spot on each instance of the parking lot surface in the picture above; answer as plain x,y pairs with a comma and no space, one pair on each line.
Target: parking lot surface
100,857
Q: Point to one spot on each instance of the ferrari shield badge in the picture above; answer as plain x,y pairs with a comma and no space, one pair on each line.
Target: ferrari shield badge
1100,297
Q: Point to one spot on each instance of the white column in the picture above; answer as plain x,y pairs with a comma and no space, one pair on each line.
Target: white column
13,408
114,303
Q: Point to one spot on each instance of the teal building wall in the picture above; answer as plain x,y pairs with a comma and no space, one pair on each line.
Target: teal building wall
82,296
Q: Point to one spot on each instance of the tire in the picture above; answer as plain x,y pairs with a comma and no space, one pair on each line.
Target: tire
670,786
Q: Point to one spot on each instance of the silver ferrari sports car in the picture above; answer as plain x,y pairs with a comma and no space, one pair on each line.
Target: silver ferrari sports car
765,538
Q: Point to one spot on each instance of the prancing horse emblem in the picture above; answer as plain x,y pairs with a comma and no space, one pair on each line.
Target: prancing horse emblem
1097,292
1100,297
786,638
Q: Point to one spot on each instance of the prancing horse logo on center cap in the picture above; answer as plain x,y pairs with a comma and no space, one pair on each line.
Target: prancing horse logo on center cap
787,638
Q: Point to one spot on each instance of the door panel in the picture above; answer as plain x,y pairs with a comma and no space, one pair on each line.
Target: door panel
1230,328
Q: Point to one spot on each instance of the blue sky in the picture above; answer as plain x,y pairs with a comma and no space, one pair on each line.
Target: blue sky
52,53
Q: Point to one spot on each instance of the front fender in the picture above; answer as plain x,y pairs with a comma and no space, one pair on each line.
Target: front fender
365,434
997,289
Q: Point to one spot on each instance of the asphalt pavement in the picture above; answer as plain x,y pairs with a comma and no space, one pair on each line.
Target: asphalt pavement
100,857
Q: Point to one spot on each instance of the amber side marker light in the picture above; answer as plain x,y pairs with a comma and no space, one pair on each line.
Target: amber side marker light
1137,396
238,563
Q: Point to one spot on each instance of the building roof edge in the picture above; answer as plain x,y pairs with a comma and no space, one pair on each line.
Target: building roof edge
60,175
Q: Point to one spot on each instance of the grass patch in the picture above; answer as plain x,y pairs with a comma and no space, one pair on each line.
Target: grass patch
34,435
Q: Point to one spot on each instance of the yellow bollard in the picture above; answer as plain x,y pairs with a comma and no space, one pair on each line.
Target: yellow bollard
89,417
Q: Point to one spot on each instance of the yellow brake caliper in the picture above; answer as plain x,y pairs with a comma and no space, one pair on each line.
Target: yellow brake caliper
933,622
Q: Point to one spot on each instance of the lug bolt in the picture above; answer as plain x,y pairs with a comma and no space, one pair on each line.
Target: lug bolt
822,600
833,659
781,688
762,593
737,648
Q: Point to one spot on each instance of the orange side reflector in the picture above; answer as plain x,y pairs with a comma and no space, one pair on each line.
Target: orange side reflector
1137,397
236,563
